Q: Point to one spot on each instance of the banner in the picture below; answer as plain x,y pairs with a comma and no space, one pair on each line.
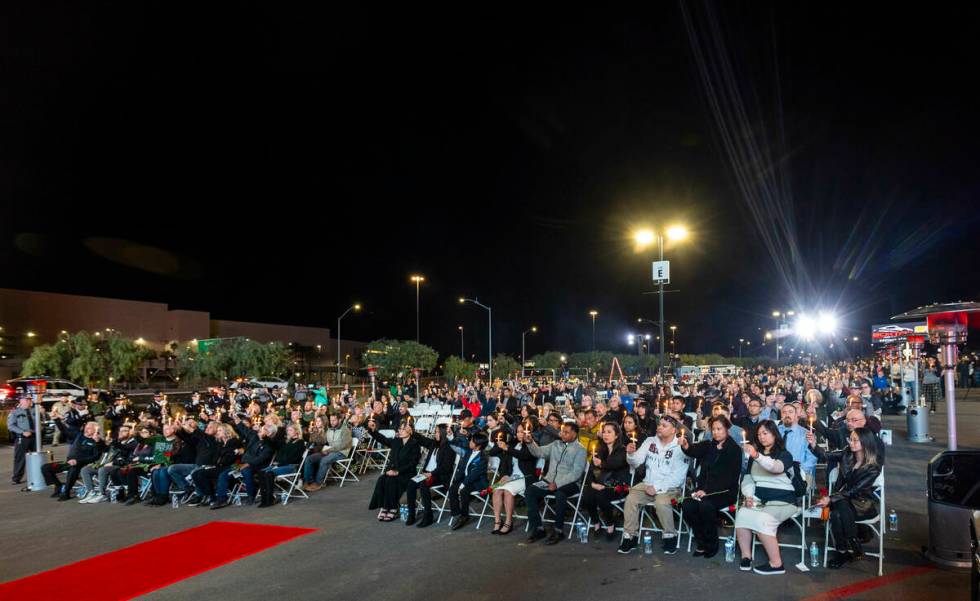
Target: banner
896,333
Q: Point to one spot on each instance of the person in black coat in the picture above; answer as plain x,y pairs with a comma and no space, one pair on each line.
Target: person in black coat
438,471
720,461
288,456
606,479
226,458
852,498
87,447
402,464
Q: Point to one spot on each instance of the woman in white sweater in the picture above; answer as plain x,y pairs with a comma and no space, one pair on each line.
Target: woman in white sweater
768,498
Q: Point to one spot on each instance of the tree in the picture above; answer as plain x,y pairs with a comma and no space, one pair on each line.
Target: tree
125,358
394,357
458,369
87,363
45,360
505,366
549,360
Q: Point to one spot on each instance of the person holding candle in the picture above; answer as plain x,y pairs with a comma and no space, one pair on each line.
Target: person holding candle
402,463
608,470
794,438
852,498
470,476
438,471
566,465
332,445
666,469
768,498
720,461
289,452
516,475
205,479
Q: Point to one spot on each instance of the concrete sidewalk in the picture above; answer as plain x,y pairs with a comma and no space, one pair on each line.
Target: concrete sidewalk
353,555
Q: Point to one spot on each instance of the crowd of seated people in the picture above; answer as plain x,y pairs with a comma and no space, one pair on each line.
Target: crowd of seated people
679,455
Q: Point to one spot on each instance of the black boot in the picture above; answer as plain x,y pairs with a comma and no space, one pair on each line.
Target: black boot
426,520
855,546
840,559
410,520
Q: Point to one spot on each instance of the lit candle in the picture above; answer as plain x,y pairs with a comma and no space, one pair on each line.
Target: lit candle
682,431
810,419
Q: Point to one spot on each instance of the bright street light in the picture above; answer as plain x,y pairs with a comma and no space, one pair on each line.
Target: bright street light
643,238
676,232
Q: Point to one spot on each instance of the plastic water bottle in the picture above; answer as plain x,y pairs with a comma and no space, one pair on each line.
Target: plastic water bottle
583,532
114,495
892,521
730,550
238,501
814,555
404,513
175,500
647,544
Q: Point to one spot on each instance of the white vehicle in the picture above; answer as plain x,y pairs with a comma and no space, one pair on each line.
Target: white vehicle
56,388
724,370
688,372
269,383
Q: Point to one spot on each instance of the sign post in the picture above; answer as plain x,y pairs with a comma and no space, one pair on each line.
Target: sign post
661,272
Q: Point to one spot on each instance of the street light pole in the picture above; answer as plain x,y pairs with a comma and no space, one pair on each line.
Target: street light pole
354,307
660,370
461,343
418,279
490,334
523,334
740,341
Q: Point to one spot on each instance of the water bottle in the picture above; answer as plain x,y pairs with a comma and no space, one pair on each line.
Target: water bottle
647,544
892,521
404,513
284,497
175,500
238,501
730,550
114,495
583,532
814,555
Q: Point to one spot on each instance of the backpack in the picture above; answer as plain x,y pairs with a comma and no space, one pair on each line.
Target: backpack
796,477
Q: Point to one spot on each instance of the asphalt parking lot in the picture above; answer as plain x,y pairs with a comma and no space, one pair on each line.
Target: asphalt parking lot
352,555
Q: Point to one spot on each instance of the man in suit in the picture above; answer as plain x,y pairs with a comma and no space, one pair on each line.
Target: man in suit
471,475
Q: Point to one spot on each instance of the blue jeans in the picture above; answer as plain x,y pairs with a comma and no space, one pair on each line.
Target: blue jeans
178,474
161,480
221,490
321,463
280,470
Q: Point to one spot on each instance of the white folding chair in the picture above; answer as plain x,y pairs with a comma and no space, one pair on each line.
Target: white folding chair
444,410
678,511
574,502
618,503
290,484
877,524
343,470
799,520
424,425
448,421
441,492
375,455
475,494
725,512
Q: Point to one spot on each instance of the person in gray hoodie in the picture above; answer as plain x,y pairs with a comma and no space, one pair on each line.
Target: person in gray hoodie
566,467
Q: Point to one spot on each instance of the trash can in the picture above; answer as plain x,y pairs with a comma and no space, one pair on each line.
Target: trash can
954,494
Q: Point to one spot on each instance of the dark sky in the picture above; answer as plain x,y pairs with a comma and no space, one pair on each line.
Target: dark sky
275,164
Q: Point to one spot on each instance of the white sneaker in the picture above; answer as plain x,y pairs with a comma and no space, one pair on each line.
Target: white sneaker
88,497
98,499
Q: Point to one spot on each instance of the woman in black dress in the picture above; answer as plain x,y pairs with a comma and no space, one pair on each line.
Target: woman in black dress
402,464
438,471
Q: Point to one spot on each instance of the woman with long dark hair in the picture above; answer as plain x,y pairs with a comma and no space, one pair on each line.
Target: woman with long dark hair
438,471
768,498
608,471
517,472
852,498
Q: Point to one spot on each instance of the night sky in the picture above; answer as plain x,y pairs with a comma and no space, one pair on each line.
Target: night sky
274,164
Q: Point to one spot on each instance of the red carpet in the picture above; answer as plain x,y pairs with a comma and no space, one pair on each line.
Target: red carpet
151,565
871,583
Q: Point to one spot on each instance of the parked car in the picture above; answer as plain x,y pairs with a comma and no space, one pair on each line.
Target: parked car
269,383
56,387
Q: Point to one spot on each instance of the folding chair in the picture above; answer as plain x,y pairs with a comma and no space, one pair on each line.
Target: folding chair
475,494
576,514
877,524
799,520
444,410
424,425
722,511
618,503
678,511
291,484
343,470
375,455
441,491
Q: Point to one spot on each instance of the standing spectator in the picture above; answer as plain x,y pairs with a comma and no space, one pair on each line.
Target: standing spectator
20,423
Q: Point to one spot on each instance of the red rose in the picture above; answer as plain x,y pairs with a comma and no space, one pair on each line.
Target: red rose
167,454
673,502
823,492
731,508
537,472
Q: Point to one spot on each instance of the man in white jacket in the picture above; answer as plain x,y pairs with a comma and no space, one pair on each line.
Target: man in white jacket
666,469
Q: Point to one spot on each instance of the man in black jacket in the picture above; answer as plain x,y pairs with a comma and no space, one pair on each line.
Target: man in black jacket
120,453
853,419
258,454
87,448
